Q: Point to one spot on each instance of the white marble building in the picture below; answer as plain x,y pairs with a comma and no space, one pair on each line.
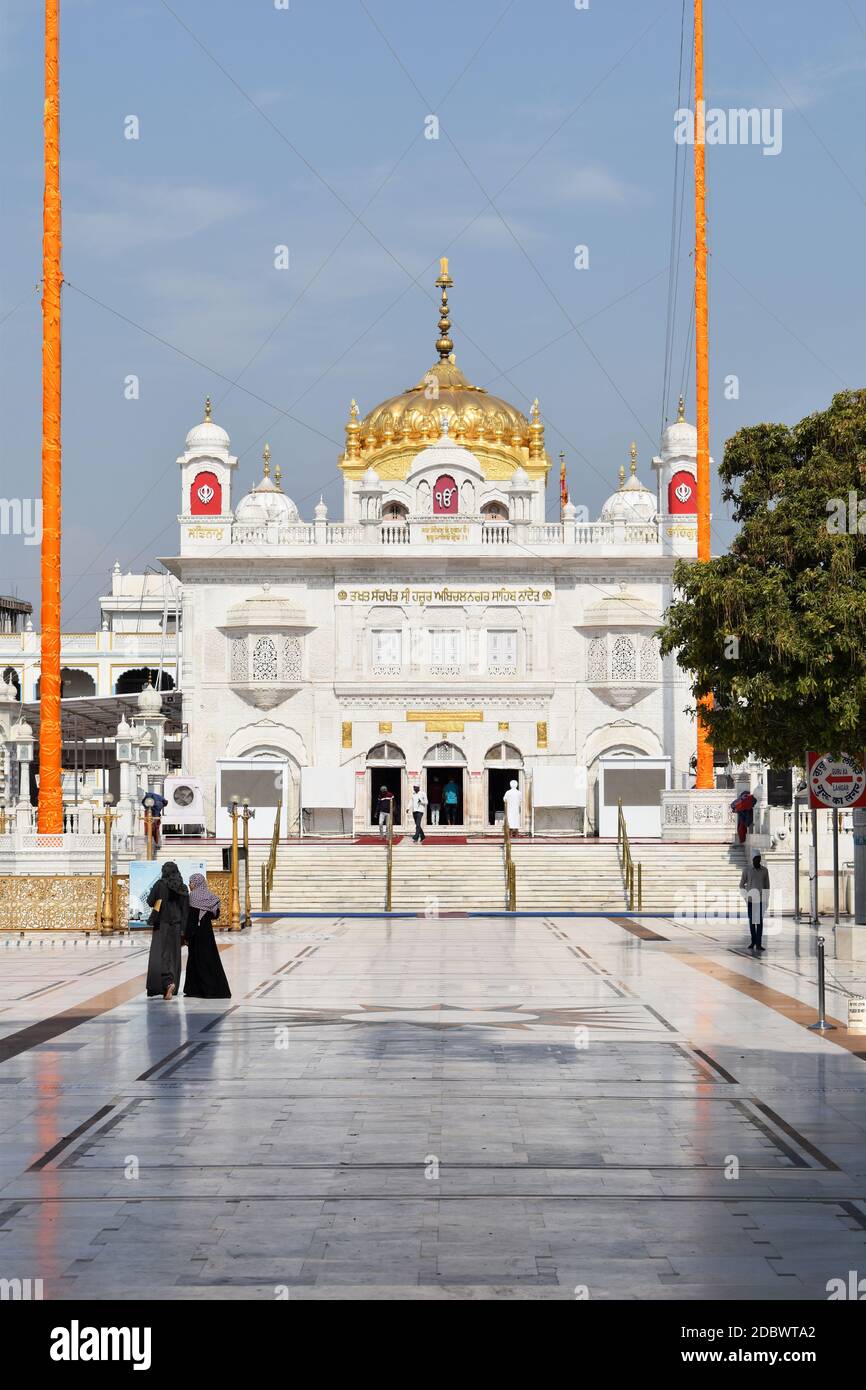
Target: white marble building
441,631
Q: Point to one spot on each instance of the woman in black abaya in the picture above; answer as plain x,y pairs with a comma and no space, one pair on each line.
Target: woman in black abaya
205,977
163,966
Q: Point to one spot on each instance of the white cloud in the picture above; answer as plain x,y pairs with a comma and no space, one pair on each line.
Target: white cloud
148,214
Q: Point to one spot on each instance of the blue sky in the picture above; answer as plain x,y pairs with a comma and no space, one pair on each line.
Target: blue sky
262,126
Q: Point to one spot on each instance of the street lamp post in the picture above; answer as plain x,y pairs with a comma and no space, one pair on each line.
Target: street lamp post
235,910
149,804
106,918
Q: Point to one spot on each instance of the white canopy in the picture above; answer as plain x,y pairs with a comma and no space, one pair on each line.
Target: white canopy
559,786
327,788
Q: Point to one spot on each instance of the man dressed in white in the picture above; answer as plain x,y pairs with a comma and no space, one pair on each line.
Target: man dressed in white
512,807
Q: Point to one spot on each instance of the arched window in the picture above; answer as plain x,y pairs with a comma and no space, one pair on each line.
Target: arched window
596,660
395,511
504,753
623,659
444,753
131,682
264,660
494,511
649,660
386,753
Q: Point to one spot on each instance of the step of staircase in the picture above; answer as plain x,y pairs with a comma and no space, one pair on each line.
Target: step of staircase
312,876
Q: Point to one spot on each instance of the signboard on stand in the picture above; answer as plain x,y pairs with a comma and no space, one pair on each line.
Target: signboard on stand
143,874
835,782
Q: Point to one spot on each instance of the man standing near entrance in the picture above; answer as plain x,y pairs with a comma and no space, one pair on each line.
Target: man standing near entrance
419,806
512,806
450,799
384,808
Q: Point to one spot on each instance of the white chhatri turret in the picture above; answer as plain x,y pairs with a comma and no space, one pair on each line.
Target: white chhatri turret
206,468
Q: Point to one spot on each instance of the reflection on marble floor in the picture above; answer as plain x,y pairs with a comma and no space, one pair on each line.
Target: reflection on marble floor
464,1108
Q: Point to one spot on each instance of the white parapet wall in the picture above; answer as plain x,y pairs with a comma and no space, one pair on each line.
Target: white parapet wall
698,815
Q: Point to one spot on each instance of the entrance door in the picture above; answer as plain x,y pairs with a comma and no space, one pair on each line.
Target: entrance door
499,779
392,778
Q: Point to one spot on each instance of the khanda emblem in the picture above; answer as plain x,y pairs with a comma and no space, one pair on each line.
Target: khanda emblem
205,494
683,492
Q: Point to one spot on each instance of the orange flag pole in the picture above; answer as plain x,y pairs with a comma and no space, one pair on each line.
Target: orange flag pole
705,778
50,741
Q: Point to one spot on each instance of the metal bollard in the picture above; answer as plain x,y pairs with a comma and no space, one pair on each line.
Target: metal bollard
821,1025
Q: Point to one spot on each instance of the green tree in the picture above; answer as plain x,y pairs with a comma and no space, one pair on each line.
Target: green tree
776,628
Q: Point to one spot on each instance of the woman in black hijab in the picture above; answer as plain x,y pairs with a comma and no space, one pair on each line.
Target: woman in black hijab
168,922
205,977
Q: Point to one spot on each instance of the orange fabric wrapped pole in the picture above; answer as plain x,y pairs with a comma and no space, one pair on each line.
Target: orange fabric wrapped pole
704,778
50,740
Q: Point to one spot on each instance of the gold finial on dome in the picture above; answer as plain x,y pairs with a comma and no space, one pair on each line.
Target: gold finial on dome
353,448
444,345
207,408
536,432
633,454
278,478
266,456
681,411
622,476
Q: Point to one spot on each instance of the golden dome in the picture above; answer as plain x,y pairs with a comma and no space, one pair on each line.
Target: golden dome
497,433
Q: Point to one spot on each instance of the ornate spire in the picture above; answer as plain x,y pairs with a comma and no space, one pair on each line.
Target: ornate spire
353,448
207,409
444,345
681,411
536,432
633,454
266,456
278,478
622,476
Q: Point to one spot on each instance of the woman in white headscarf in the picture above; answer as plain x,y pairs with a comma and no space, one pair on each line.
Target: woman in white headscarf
512,806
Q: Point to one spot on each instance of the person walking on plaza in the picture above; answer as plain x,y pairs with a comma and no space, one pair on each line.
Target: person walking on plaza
168,922
755,882
450,799
419,806
512,806
384,807
205,977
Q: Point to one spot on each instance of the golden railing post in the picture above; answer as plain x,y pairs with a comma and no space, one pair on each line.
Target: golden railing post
235,909
248,907
106,916
389,860
148,826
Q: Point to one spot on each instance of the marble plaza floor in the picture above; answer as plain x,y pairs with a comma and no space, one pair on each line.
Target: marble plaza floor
458,1108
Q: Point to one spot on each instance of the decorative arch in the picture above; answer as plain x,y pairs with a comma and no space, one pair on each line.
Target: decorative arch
133,681
445,753
504,753
268,740
623,737
386,752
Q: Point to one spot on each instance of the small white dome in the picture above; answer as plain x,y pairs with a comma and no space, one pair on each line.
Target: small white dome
8,693
124,730
265,503
207,438
22,730
633,501
149,700
520,477
680,440
371,478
